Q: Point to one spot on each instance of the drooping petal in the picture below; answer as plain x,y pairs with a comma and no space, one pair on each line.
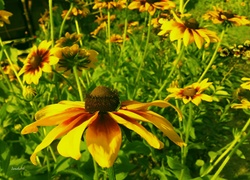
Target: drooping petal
198,39
197,99
177,33
55,133
131,124
69,145
134,105
103,139
160,122
187,37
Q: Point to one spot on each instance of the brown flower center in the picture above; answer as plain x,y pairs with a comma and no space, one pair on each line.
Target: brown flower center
228,14
102,99
35,61
189,92
192,24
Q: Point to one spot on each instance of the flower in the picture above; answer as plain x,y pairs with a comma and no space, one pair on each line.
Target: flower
71,56
151,6
4,17
99,117
39,60
245,105
189,31
116,38
109,4
193,93
219,16
245,85
9,71
68,40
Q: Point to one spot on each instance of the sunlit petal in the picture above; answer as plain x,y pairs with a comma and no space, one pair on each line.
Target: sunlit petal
103,138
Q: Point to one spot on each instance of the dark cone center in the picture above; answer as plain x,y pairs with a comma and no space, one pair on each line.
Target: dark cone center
192,24
35,61
102,99
189,92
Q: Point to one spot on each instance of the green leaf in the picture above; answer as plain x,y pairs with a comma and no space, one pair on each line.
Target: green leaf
212,155
2,4
4,156
199,162
240,154
174,164
136,147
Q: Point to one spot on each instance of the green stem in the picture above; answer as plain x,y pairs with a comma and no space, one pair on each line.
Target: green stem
213,57
229,156
187,134
171,72
51,22
109,35
78,30
145,49
11,64
78,83
111,173
65,18
96,170
232,144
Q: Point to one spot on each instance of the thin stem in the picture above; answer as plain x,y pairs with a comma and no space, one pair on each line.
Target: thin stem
78,83
145,49
65,18
232,144
181,9
51,22
109,42
229,156
78,30
11,64
213,57
96,170
187,134
170,74
111,173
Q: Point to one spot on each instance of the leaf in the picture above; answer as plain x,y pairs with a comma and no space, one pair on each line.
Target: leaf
212,155
158,172
199,162
240,154
136,147
4,156
174,164
1,4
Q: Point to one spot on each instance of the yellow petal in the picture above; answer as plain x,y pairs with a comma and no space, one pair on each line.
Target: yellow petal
103,139
160,122
54,134
176,33
198,40
69,145
196,100
187,37
138,128
134,5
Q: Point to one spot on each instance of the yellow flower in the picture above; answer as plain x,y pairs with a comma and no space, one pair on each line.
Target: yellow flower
39,60
116,38
151,6
68,39
9,71
189,31
99,4
75,56
245,85
219,16
99,117
4,17
245,105
193,93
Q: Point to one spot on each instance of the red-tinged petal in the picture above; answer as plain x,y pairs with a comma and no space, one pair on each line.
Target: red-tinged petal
138,128
144,106
177,33
55,133
69,145
160,122
103,139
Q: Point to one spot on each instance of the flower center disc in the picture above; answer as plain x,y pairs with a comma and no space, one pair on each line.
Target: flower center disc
102,99
192,24
35,61
189,92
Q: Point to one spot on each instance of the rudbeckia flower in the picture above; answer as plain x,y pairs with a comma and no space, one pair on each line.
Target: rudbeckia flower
99,117
245,104
68,39
189,31
219,16
99,4
193,93
151,6
245,85
4,17
39,60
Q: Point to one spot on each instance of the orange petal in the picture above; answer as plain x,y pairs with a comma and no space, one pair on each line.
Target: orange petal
138,128
160,122
103,139
54,134
69,145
